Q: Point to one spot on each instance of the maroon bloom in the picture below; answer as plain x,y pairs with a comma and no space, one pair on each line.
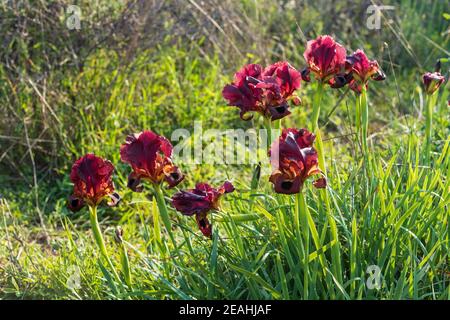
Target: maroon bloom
149,155
264,91
293,161
199,202
432,81
92,183
325,58
360,70
241,93
287,77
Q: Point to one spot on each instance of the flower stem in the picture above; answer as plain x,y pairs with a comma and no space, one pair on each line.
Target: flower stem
315,126
335,249
99,240
268,127
303,220
428,128
364,106
358,118
164,214
316,106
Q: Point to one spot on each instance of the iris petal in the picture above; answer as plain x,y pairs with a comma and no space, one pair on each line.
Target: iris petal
173,175
204,225
134,182
306,74
284,184
279,112
287,77
320,183
75,204
115,199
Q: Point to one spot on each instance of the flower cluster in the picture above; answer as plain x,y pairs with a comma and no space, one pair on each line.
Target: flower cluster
265,91
149,156
329,62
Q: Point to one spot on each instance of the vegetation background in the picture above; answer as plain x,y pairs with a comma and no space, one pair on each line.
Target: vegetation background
160,65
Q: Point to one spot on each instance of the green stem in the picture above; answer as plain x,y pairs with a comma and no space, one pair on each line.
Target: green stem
353,254
99,240
268,127
358,118
277,124
316,106
321,155
429,128
335,249
365,120
254,184
302,210
315,127
164,214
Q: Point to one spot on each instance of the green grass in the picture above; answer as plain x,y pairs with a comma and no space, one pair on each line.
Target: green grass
265,246
398,221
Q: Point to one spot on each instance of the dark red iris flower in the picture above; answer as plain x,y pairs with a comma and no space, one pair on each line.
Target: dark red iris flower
149,155
432,81
360,70
287,77
92,182
199,202
293,161
325,58
266,91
